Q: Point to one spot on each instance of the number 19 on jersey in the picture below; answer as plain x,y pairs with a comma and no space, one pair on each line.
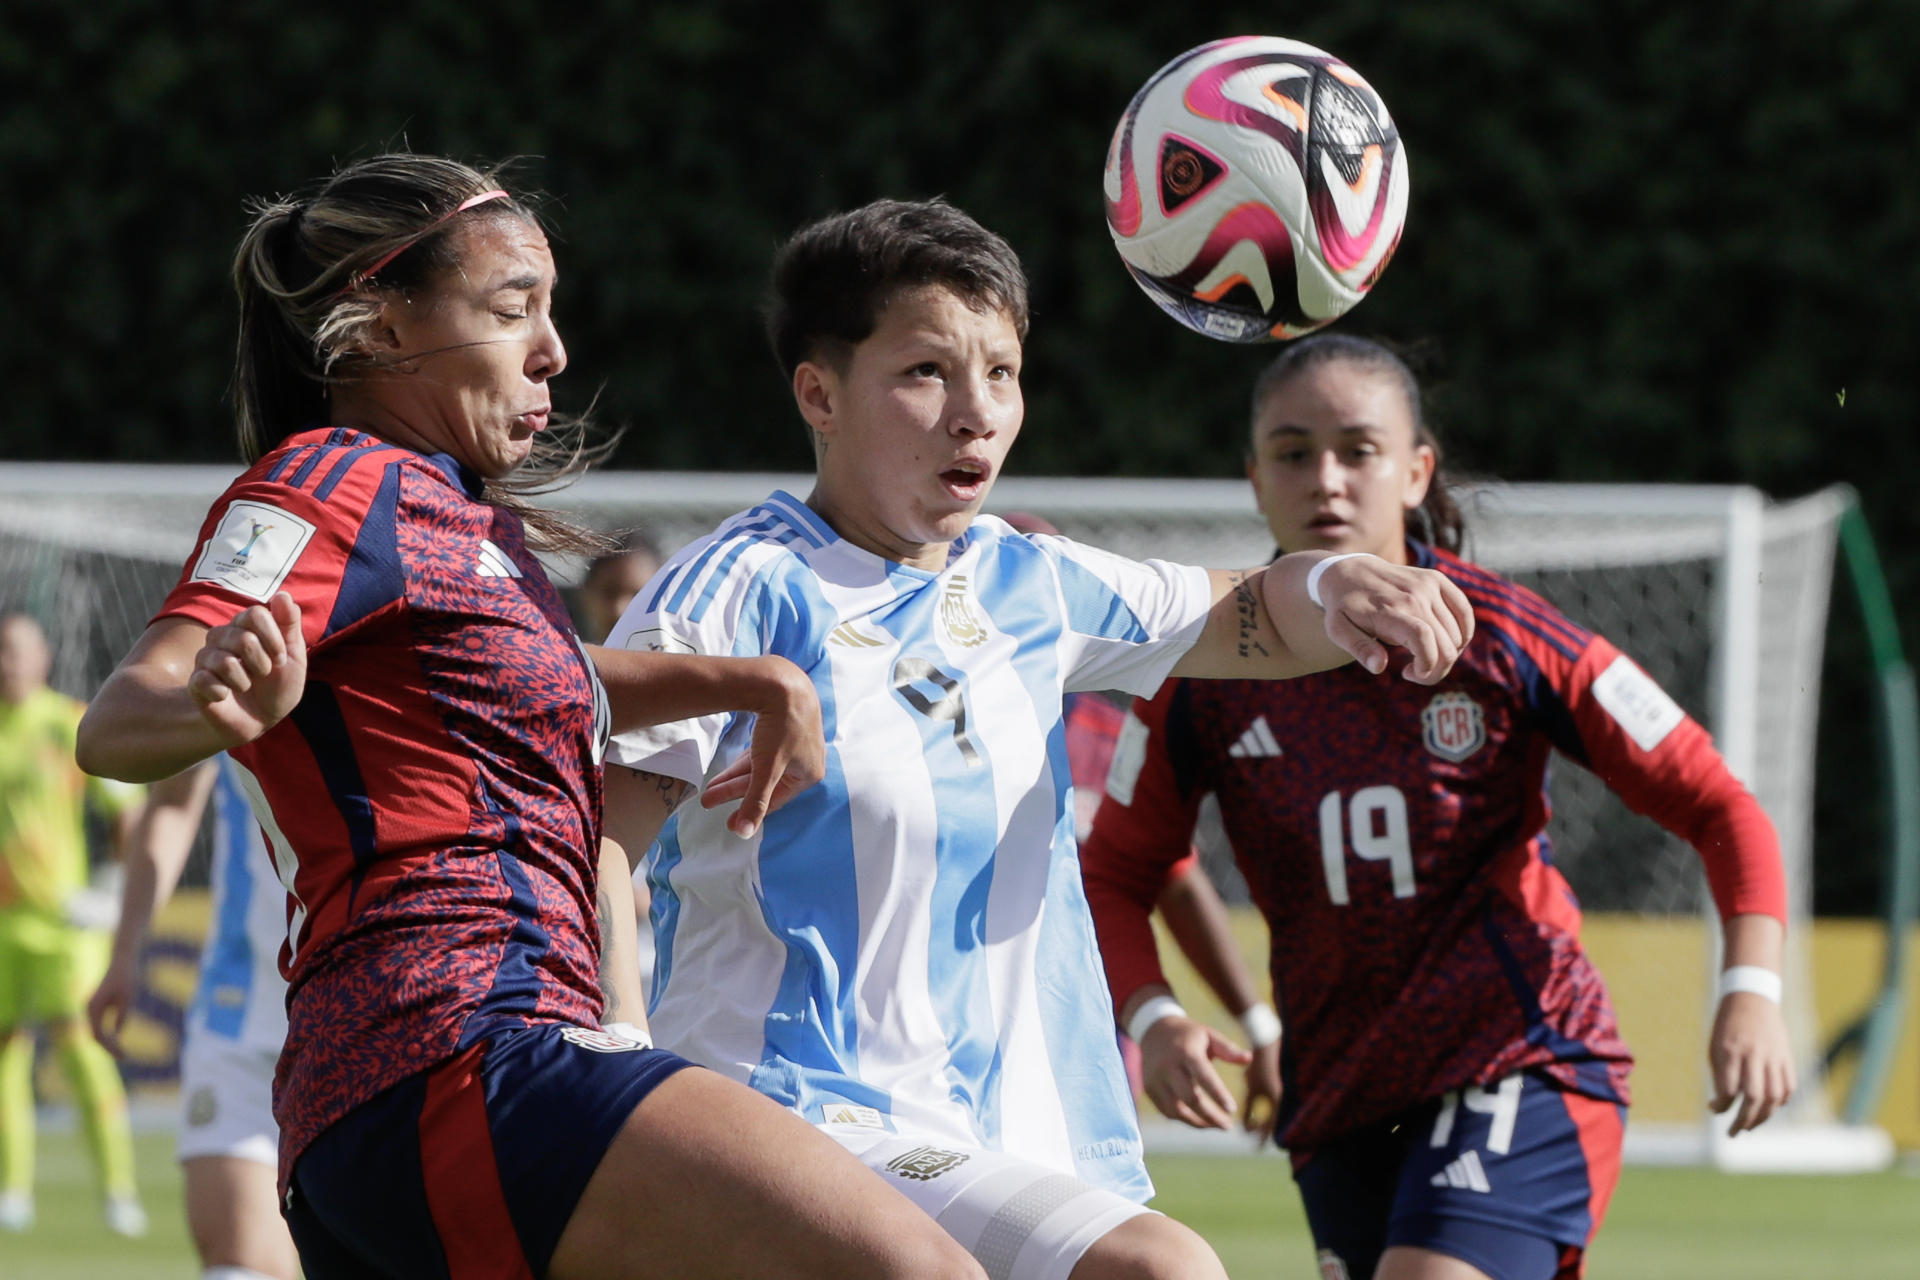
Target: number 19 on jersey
1375,824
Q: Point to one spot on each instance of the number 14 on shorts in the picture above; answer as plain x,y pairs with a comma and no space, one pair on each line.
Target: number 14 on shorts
1502,1102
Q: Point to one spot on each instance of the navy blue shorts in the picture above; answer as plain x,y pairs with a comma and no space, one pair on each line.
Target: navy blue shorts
1513,1179
473,1167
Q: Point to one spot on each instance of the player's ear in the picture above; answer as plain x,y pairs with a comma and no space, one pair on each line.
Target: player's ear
379,335
817,392
1419,476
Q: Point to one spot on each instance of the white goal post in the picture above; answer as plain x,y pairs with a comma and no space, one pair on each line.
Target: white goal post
1720,593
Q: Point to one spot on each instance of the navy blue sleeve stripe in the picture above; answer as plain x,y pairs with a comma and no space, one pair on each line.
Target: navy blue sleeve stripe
1497,609
320,454
373,576
341,469
1521,605
280,468
1472,578
1543,699
1525,603
324,726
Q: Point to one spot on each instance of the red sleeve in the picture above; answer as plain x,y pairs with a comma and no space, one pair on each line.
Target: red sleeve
1599,707
334,554
1144,827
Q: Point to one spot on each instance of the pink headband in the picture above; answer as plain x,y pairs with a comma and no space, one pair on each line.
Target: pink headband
361,277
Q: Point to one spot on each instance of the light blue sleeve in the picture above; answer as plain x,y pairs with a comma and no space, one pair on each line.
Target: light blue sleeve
1126,622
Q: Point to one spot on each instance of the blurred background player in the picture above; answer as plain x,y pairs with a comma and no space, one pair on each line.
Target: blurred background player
1452,1084
366,631
902,955
611,581
228,1141
1189,905
48,961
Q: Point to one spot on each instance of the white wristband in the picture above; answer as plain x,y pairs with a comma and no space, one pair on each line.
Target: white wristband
1151,1012
1262,1025
627,1031
1320,567
1751,978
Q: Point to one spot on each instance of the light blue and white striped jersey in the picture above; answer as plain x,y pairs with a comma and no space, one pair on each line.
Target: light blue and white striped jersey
906,944
241,996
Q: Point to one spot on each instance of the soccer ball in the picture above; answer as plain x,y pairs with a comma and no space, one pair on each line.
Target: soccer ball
1256,188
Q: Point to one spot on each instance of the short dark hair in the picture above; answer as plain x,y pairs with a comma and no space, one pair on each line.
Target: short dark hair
1438,517
832,277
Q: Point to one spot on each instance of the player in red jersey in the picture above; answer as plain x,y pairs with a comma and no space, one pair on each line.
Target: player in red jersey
364,628
1453,1084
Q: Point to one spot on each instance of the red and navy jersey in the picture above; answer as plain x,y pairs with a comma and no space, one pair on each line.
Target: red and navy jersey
433,803
1394,837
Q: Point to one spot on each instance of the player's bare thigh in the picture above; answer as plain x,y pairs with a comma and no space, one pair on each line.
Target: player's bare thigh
708,1178
1150,1247
234,1216
1404,1262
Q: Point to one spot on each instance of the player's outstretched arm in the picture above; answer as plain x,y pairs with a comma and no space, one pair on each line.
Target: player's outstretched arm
1749,1053
186,691
788,752
156,852
1266,624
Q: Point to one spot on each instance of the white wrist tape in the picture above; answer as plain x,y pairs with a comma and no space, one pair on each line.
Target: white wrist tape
627,1031
1151,1012
1751,978
1320,567
1262,1025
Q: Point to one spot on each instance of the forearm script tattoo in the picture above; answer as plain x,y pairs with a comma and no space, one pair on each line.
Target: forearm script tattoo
1248,611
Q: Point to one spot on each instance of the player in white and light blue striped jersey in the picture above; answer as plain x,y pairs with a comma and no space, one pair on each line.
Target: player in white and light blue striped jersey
903,953
940,695
233,1030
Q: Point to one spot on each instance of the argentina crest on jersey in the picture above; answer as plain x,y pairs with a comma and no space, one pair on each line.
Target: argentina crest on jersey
1453,726
960,616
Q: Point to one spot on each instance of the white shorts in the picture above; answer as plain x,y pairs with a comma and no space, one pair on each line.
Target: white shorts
226,1100
1020,1220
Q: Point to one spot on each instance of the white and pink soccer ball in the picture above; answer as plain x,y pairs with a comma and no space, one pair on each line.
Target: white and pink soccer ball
1256,188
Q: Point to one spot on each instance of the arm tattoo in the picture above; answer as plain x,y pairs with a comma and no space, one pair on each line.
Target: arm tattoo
1248,609
669,792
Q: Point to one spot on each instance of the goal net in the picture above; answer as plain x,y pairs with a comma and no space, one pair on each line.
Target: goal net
1718,592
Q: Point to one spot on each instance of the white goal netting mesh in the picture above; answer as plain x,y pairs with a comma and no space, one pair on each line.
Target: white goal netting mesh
1720,594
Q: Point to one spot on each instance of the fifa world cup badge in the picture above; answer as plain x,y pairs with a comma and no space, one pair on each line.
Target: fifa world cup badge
1453,726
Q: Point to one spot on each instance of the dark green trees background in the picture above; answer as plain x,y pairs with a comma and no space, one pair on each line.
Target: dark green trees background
1648,241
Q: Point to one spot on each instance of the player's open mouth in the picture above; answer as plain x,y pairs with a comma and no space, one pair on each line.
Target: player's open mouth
966,479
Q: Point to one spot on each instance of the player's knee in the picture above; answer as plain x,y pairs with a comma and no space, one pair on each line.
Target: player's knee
1150,1247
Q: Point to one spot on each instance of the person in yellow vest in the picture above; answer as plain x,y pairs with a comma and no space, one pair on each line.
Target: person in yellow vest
49,961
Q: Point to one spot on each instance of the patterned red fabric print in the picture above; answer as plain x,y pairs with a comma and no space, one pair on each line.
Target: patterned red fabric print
1393,835
436,796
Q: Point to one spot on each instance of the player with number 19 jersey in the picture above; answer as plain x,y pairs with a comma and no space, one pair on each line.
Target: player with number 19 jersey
1394,837
906,945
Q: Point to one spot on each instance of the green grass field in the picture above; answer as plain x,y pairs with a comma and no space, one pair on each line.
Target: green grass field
1683,1224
